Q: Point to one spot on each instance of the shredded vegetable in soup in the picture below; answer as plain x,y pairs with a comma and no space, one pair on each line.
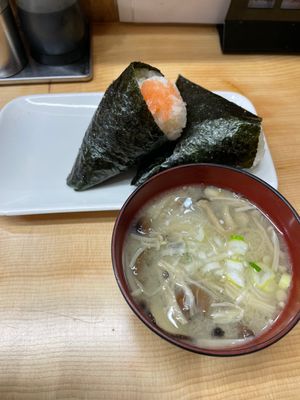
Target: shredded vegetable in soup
206,265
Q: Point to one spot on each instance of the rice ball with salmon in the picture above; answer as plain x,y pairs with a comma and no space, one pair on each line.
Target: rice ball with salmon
140,111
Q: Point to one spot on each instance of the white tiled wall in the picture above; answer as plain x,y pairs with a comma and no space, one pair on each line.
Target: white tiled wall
184,11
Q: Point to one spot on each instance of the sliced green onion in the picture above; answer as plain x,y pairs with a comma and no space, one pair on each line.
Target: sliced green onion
285,281
237,237
254,266
237,247
236,278
233,264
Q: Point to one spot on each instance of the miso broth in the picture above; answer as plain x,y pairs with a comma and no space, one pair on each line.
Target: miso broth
206,264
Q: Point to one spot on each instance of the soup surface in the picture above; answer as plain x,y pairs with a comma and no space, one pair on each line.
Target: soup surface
207,266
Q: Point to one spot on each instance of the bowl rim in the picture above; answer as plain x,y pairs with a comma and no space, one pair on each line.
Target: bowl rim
219,352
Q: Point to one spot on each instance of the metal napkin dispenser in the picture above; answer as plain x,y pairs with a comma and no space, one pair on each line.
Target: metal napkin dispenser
261,26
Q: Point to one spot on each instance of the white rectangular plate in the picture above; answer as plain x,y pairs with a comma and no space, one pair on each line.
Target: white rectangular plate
39,139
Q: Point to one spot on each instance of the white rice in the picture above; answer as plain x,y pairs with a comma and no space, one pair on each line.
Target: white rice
260,151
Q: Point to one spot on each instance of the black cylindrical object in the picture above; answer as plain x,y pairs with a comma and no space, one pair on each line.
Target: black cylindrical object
56,30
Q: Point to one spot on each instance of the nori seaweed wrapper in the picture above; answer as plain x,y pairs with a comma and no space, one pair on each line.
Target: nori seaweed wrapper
217,131
121,131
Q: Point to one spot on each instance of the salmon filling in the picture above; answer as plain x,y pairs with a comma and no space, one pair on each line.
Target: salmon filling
165,104
159,97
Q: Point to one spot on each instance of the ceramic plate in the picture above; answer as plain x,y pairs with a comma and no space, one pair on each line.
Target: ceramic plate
39,139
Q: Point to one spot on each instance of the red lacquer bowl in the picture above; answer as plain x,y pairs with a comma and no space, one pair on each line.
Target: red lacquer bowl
269,200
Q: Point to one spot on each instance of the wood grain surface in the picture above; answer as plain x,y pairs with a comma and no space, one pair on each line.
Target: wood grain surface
101,11
65,330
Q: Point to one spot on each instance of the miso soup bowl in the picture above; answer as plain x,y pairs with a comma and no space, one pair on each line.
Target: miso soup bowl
266,198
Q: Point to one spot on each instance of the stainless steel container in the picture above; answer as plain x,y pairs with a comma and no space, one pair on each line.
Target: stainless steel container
12,54
55,30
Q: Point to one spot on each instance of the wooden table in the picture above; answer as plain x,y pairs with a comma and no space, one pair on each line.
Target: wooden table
65,329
